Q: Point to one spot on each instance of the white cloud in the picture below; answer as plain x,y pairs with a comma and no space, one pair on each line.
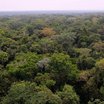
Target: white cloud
16,5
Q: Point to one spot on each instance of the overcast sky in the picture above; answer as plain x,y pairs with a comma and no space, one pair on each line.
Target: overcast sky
24,5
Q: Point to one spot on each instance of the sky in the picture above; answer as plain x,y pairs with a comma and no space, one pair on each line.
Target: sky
34,5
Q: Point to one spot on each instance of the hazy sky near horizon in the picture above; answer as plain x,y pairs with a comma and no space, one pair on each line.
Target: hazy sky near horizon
24,5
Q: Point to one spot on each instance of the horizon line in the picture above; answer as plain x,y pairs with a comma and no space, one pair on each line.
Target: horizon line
49,10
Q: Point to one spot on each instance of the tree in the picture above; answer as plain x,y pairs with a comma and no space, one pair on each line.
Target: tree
83,52
96,101
99,77
2,32
43,64
47,45
84,63
102,92
24,66
98,49
5,83
68,95
30,93
62,68
99,72
44,79
19,93
8,45
47,32
65,42
100,64
3,57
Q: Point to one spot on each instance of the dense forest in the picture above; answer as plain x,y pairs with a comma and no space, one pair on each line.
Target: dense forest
52,59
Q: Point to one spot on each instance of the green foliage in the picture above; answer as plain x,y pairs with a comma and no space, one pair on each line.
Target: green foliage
64,42
19,93
56,53
102,92
2,32
96,101
24,66
99,76
68,95
30,93
63,68
100,64
3,57
85,63
45,97
5,82
44,79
